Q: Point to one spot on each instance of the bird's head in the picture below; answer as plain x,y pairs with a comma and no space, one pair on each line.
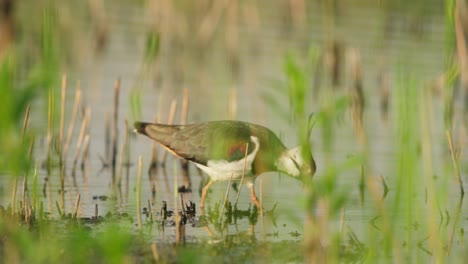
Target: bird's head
297,162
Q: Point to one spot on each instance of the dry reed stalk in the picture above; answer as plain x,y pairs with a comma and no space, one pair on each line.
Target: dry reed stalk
243,173
150,211
59,210
455,223
336,62
342,219
85,154
384,81
138,193
72,122
35,185
31,148
357,98
50,121
79,143
60,138
115,130
25,123
455,162
154,251
77,204
62,117
170,121
24,203
182,203
47,192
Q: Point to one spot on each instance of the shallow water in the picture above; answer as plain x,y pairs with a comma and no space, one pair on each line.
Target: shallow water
387,41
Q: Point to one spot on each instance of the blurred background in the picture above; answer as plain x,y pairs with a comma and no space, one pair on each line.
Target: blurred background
370,71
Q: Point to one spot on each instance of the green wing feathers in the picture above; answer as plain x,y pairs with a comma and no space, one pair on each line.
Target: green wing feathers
219,140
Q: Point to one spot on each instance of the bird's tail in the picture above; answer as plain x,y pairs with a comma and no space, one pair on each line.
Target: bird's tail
158,132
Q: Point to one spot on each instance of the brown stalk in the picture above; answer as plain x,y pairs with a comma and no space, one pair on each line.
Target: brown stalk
50,121
62,116
455,162
455,223
79,143
25,204
25,122
115,130
61,132
357,99
138,193
150,210
77,203
182,204
154,251
13,203
85,154
96,211
342,219
59,210
72,122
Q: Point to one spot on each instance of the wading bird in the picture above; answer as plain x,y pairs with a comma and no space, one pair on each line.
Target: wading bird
230,149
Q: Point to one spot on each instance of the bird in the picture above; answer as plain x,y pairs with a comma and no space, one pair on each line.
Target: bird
230,150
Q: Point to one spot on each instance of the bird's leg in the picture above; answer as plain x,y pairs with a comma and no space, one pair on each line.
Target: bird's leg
204,191
253,197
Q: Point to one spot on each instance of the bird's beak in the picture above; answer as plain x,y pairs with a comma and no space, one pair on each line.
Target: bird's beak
308,170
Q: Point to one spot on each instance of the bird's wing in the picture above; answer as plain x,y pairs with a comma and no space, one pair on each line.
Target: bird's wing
217,140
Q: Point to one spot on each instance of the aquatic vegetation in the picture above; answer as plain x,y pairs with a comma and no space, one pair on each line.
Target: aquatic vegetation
386,127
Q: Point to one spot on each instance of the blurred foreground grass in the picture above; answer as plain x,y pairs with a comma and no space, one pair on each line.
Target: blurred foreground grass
408,225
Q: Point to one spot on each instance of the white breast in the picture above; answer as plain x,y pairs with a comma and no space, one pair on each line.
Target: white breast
223,170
